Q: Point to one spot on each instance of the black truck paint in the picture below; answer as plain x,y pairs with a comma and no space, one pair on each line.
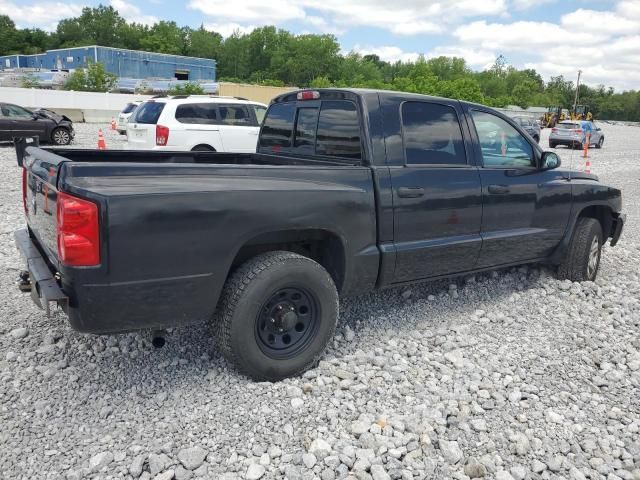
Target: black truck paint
174,225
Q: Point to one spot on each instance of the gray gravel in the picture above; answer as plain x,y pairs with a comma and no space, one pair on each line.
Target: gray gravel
506,375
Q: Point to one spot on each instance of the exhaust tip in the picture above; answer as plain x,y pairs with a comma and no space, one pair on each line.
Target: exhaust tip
158,340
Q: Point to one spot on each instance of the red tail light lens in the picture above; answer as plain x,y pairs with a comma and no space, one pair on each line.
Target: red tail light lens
78,231
24,190
162,135
554,130
577,130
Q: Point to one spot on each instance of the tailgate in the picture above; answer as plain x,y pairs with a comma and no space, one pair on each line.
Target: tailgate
40,193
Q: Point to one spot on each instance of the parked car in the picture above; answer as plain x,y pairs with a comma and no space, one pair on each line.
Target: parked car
571,134
197,123
124,115
16,121
350,191
530,126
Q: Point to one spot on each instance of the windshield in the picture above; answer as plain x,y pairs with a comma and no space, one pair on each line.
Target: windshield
129,108
149,112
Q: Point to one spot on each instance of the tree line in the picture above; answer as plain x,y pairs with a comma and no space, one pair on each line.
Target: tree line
271,56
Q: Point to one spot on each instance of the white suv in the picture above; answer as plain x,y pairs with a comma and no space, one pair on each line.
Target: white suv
197,123
124,115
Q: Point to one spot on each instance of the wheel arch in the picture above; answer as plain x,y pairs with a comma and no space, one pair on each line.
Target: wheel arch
203,147
321,245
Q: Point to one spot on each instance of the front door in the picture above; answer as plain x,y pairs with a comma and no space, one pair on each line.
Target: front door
436,192
238,128
22,123
525,209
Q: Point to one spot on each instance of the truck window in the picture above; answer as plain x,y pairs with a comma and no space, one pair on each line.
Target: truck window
502,145
306,127
431,134
199,113
338,130
149,113
278,128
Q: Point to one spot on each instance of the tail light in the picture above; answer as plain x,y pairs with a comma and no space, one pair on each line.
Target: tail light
554,130
577,130
162,135
78,231
24,191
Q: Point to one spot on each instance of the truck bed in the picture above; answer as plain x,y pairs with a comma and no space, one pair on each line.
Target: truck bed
173,224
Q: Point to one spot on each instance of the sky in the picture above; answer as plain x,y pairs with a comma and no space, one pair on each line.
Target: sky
601,38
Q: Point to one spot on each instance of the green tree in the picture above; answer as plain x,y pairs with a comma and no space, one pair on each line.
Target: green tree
92,79
9,41
203,44
189,88
165,37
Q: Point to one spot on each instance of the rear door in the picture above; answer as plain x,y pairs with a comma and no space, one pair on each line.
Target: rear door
141,129
437,199
238,128
198,125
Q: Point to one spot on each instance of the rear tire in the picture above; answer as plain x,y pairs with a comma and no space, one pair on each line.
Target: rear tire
600,143
61,136
552,145
276,314
582,260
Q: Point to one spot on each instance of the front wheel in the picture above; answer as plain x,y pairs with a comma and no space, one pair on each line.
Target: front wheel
276,315
582,260
61,136
600,142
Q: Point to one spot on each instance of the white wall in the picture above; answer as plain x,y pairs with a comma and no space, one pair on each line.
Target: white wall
79,106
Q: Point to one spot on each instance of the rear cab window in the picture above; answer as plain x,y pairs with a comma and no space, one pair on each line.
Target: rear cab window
149,112
568,126
329,128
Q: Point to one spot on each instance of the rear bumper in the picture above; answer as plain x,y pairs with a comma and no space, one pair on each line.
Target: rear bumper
41,281
616,228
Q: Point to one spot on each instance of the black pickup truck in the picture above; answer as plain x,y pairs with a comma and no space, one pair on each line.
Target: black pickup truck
349,191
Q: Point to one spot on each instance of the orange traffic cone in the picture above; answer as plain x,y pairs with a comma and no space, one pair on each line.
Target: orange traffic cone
113,124
587,166
101,144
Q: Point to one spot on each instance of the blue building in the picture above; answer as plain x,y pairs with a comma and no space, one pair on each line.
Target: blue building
119,61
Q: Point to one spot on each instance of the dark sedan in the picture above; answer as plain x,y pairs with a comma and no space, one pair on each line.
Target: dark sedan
49,127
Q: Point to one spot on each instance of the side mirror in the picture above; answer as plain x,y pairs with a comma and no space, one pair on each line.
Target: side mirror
549,161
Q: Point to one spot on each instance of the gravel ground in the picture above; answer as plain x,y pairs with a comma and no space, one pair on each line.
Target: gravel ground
509,374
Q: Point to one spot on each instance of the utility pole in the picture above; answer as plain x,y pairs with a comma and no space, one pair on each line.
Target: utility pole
575,102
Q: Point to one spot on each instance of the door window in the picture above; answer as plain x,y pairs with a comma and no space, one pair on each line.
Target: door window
197,113
237,115
502,145
431,135
13,111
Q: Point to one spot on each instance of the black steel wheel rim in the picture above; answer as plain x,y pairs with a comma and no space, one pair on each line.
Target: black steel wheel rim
287,322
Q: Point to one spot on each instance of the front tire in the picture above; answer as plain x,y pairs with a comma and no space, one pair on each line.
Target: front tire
585,251
276,315
61,136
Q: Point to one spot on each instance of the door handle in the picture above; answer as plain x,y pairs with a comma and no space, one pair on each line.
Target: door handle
498,189
410,192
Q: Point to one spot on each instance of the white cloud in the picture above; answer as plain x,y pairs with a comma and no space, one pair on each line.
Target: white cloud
611,23
476,58
133,13
42,14
409,17
526,4
228,29
387,53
